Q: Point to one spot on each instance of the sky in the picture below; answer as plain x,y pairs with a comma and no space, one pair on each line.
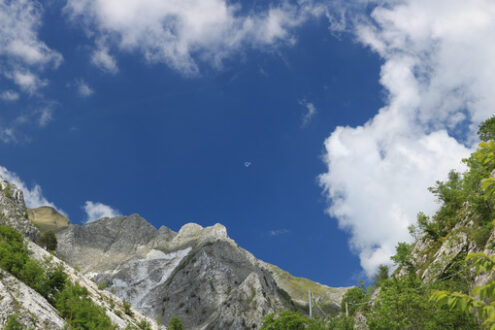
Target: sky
311,129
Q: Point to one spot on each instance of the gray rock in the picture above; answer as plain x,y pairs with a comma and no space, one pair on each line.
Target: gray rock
13,211
198,274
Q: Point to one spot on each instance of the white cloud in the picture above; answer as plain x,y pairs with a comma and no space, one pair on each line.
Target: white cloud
438,61
278,232
83,88
103,60
95,211
309,114
33,197
179,33
22,55
46,116
9,95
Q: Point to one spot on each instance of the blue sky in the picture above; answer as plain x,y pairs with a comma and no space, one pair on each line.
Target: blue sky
311,130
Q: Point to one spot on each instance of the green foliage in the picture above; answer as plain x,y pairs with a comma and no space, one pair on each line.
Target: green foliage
381,276
144,325
8,191
486,130
159,320
13,324
355,298
75,306
402,257
71,300
402,303
287,320
175,323
127,307
484,306
48,240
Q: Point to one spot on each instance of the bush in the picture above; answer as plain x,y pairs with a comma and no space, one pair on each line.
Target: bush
13,324
287,320
48,240
175,323
127,307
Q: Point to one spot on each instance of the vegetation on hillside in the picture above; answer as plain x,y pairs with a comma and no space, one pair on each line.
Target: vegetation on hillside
71,300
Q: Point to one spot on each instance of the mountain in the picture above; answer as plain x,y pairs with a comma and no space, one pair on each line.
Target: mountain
198,274
27,305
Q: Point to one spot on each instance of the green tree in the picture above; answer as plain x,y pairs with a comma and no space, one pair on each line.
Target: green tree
48,240
78,309
381,276
175,323
355,298
402,258
403,303
486,129
287,320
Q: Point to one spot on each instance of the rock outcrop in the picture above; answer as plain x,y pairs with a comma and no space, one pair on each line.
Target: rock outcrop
13,211
47,218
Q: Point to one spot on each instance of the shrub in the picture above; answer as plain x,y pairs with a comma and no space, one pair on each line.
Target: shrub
74,305
13,324
48,240
287,320
175,323
127,307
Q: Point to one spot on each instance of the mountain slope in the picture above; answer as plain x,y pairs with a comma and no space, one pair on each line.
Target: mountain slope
198,274
29,307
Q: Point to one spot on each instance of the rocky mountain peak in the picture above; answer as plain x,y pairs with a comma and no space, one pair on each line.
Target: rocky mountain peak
192,232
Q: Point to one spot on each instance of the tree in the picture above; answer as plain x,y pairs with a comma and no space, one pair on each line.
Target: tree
48,240
486,130
175,323
381,276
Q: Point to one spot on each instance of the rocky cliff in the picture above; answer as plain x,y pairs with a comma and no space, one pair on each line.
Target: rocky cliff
13,211
31,309
198,274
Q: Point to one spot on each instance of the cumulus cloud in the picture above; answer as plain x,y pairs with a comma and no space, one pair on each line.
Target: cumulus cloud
83,88
309,114
179,33
33,197
438,61
22,54
95,211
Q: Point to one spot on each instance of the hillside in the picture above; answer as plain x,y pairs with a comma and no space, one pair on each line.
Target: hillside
33,281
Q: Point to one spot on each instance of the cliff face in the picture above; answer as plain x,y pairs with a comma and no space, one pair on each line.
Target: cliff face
13,211
198,274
